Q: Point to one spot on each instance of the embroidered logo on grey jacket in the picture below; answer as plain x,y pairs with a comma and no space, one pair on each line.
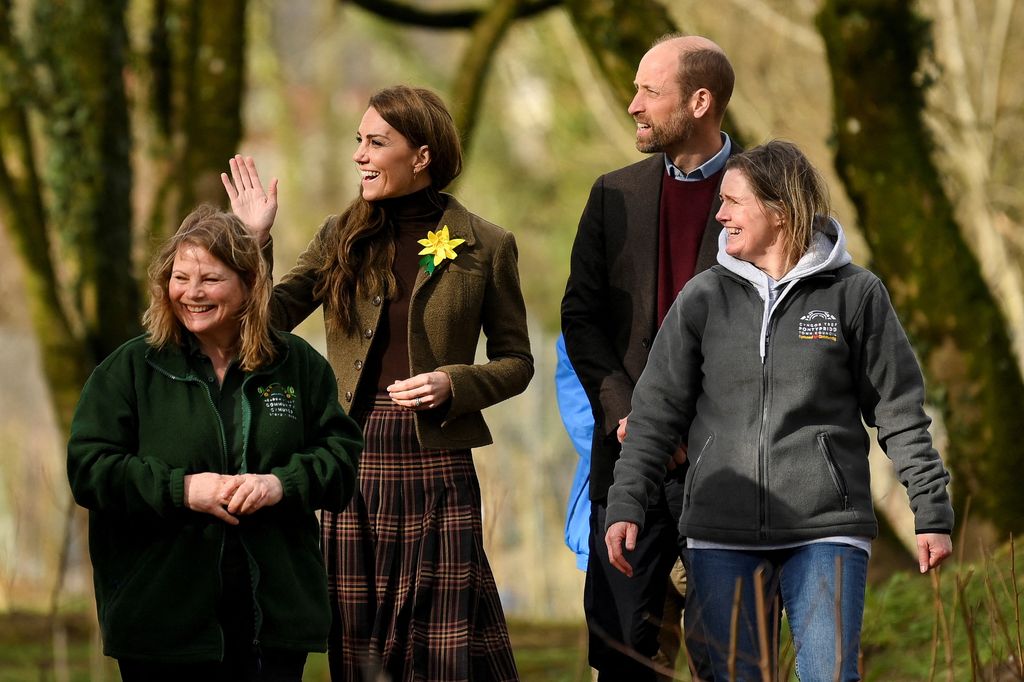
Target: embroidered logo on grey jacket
818,325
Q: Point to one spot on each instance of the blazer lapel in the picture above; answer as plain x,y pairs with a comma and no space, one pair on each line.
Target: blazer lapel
456,217
643,206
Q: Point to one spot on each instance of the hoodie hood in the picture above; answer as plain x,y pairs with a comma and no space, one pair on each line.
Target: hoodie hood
826,253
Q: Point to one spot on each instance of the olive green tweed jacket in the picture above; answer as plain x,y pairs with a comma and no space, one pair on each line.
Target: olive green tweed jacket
478,291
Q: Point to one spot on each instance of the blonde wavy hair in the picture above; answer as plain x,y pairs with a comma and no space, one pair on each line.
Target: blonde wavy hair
788,186
224,236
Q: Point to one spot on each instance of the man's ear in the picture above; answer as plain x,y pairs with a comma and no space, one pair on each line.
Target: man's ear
701,102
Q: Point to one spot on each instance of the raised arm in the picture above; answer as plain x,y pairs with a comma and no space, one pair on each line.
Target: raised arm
255,206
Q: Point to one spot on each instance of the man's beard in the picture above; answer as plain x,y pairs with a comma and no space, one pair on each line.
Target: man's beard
677,130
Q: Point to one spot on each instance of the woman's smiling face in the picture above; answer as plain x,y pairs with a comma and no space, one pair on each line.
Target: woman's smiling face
389,165
753,234
207,296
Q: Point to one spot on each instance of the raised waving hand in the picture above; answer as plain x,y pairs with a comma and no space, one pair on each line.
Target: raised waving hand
255,206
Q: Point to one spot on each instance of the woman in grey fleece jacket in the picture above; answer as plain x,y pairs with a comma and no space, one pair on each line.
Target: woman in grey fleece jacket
764,368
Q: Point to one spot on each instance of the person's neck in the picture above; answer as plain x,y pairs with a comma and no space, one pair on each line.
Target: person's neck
422,203
775,266
221,352
696,151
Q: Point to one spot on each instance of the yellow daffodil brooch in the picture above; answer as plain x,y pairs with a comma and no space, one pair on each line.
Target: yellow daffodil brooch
436,247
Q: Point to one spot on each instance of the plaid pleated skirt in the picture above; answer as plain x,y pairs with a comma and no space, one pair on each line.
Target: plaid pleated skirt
412,591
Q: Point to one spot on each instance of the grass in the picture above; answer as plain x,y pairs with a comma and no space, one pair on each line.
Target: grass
545,652
963,623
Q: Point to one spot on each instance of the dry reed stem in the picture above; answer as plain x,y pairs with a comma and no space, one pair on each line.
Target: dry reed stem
968,613
935,630
943,622
1016,605
997,620
764,661
734,627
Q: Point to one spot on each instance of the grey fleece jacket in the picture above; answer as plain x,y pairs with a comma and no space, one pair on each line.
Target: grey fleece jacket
770,397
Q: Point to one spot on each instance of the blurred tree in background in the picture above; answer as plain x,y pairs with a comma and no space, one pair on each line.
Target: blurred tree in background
116,117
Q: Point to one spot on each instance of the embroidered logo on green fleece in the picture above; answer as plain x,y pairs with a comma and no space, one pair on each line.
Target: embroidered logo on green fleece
278,399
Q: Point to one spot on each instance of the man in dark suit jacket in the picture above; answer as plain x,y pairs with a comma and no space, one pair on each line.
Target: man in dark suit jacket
647,228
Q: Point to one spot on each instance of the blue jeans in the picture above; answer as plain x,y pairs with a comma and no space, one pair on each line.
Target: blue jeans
812,581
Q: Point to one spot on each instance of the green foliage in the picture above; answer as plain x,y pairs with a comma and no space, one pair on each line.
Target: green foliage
904,637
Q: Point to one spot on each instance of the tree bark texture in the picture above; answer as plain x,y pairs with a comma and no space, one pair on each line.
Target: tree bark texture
470,77
197,76
884,156
82,46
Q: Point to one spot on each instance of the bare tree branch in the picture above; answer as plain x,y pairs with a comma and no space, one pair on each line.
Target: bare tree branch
405,13
469,80
992,70
970,142
794,32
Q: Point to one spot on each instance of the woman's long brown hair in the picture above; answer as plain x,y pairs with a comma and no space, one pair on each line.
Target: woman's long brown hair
358,247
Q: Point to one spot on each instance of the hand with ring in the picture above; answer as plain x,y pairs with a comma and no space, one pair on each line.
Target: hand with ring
423,391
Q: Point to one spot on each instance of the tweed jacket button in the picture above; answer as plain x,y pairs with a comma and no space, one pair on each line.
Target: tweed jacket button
645,342
376,300
368,333
358,364
348,396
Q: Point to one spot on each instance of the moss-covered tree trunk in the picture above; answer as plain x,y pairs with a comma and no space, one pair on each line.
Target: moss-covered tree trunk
883,155
196,81
22,212
89,304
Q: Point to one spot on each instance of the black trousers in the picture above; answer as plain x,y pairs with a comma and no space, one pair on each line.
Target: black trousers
624,614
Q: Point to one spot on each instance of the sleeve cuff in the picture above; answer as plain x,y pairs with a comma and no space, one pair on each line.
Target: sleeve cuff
178,488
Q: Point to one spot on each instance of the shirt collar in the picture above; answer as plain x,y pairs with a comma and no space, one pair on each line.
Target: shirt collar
706,169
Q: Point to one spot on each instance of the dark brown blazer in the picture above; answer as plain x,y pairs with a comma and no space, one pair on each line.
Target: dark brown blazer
609,311
478,291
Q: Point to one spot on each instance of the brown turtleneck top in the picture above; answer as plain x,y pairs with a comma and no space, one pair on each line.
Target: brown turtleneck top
412,216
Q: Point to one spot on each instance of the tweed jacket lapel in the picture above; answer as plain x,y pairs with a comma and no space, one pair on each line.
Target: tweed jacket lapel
456,217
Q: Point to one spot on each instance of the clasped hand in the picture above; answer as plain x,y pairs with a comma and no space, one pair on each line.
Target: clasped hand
227,497
421,392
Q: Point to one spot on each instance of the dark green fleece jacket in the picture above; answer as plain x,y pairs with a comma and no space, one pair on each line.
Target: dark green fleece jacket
144,421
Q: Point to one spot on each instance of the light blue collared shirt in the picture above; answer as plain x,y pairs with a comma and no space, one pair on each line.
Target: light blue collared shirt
706,169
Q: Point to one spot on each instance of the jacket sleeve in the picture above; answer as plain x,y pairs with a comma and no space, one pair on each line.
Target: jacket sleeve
584,307
106,471
294,297
510,364
892,400
664,404
323,474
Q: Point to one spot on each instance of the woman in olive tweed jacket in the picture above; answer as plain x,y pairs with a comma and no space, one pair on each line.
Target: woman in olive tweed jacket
407,279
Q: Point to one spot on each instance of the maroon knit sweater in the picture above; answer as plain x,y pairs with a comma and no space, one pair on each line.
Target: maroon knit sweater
682,217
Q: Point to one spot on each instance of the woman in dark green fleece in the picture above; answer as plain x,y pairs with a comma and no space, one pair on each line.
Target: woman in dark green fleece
202,450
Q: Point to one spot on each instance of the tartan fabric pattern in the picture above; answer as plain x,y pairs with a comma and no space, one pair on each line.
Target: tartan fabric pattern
411,588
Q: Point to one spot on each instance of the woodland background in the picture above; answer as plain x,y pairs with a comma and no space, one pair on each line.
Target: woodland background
116,117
